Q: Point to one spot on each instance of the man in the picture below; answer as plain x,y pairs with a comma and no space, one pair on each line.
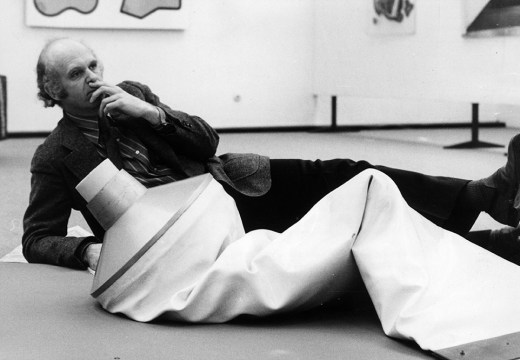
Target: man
129,125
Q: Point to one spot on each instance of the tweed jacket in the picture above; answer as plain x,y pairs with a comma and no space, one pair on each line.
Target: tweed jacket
66,157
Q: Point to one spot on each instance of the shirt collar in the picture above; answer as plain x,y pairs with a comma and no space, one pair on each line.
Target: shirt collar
83,122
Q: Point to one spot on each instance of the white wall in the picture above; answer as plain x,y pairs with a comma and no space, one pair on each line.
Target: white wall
259,51
244,63
391,79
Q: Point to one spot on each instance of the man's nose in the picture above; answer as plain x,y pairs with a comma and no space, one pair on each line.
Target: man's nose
92,76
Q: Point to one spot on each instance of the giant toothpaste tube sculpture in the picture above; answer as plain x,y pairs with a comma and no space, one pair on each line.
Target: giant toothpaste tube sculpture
179,252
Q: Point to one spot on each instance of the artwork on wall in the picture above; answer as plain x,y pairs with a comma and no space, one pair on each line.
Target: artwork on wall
391,17
492,17
107,14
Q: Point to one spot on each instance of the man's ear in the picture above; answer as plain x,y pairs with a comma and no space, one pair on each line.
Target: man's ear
50,91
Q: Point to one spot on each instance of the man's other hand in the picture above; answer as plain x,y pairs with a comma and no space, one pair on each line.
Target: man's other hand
91,255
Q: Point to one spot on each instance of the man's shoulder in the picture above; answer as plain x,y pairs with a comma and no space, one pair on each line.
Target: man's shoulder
55,138
52,146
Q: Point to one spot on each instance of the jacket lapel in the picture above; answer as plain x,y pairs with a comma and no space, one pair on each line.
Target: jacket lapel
84,156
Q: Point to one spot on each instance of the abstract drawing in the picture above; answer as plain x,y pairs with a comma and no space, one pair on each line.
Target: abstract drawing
391,17
107,14
492,17
393,10
143,8
56,7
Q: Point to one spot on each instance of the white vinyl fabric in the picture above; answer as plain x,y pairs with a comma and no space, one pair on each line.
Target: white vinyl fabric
427,284
205,269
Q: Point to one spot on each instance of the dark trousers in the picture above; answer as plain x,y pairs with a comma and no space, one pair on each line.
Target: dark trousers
298,184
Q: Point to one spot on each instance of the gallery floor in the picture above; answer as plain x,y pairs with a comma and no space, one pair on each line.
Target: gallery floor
46,311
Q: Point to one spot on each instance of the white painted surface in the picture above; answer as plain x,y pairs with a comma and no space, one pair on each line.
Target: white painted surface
248,63
240,62
436,63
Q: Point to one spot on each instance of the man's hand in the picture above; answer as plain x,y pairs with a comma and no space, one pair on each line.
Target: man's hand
91,255
116,101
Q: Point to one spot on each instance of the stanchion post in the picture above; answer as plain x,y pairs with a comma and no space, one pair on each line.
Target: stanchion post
3,107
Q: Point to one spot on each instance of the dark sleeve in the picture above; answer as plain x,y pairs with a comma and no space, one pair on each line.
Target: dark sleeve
46,219
186,134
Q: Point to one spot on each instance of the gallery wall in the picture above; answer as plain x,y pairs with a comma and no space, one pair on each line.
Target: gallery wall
429,76
269,63
238,63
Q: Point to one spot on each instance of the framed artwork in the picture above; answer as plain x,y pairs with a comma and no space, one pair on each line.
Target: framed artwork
491,17
107,14
391,17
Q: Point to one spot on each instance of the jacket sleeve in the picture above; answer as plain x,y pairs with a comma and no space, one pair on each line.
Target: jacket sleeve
186,134
46,219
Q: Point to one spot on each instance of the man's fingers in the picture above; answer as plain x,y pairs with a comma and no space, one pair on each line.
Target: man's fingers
109,103
102,91
103,105
117,102
91,255
96,93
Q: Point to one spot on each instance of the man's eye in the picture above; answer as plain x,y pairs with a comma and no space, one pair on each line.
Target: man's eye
93,66
74,75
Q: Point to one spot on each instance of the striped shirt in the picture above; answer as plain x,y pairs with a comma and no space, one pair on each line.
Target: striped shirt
134,154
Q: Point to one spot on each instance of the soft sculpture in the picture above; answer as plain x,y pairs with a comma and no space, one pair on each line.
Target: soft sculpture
179,252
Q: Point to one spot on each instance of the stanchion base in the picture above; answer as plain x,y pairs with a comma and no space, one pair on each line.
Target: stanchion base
473,145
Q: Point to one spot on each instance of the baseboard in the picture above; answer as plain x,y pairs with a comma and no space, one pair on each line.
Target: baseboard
461,125
354,128
312,128
29,134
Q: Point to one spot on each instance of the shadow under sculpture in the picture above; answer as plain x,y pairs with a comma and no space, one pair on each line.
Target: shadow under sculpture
179,252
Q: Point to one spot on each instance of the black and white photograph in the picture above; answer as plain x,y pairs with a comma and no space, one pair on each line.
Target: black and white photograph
260,179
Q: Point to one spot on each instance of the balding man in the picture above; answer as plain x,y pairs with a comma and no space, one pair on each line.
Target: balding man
129,125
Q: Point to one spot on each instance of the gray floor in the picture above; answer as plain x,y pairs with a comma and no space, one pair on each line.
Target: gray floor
418,150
